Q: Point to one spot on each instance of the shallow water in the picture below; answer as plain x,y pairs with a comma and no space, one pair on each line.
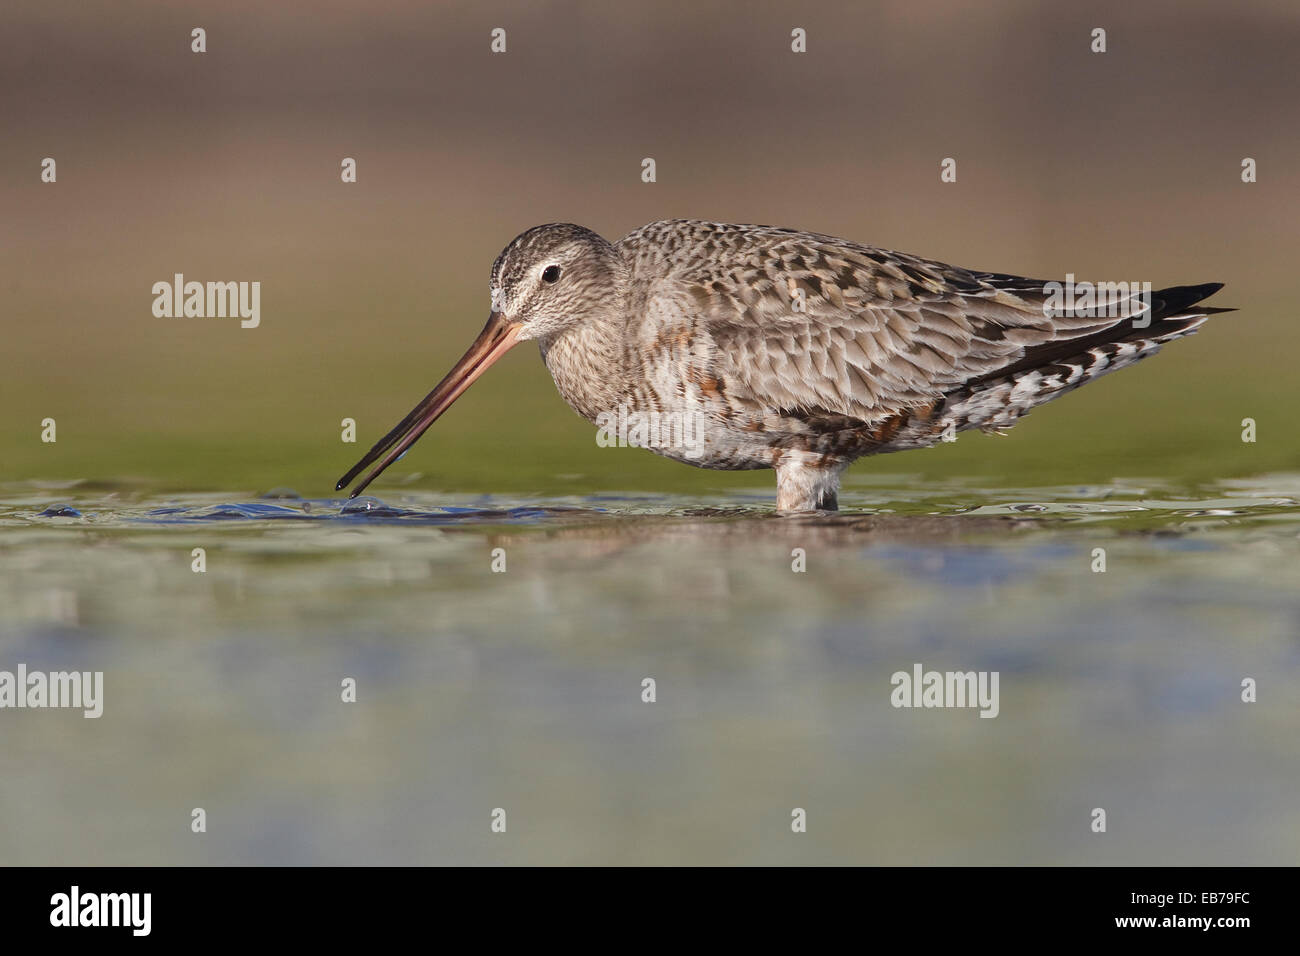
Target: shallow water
522,689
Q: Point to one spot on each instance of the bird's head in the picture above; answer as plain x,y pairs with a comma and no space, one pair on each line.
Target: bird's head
555,277
549,279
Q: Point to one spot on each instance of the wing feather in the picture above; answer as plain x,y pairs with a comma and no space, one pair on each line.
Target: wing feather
879,331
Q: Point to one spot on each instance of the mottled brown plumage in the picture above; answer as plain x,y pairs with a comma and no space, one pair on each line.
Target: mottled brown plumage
788,350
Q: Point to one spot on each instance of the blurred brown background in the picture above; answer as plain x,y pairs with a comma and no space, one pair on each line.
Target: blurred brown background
225,166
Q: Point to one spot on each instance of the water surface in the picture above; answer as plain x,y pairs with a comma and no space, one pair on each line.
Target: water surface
522,689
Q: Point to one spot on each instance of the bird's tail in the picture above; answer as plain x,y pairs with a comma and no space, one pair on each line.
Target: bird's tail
995,401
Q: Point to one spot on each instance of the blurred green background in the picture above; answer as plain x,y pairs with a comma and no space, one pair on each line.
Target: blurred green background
225,166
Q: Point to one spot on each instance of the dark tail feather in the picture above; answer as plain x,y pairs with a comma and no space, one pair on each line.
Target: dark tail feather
1171,312
1175,300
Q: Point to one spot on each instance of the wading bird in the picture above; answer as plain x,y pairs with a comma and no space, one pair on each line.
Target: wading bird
794,351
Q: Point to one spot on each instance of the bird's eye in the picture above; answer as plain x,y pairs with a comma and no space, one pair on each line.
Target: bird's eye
551,274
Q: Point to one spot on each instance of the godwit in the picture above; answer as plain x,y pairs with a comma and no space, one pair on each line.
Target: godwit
790,350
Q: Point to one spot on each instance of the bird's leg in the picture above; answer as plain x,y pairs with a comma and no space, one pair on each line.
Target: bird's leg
807,483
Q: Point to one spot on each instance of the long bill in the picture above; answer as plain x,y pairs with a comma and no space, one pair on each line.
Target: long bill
498,337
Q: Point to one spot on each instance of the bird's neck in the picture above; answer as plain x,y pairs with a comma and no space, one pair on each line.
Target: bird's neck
590,365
